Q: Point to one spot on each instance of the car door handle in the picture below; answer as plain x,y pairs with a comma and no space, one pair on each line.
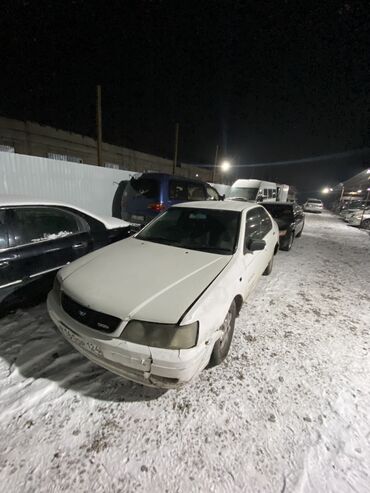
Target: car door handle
4,265
81,244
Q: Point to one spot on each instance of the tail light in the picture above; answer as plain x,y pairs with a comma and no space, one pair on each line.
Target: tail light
157,207
283,232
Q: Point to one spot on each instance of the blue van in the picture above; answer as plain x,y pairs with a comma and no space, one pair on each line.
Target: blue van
151,193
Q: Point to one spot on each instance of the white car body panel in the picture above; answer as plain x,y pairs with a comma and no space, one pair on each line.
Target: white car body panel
144,272
164,284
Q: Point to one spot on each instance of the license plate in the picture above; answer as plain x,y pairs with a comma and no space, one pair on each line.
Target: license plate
77,341
134,217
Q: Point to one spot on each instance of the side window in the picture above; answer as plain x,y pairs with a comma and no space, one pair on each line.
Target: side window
266,224
4,241
196,191
265,193
252,226
211,193
178,190
36,224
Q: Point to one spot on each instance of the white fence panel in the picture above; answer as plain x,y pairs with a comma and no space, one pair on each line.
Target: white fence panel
83,185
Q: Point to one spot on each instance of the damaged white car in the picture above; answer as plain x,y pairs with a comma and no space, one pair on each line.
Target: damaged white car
160,306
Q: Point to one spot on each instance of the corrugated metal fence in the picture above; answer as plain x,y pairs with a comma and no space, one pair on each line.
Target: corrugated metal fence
83,185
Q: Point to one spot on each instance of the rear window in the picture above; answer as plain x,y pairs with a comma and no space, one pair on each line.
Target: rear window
314,201
143,187
279,211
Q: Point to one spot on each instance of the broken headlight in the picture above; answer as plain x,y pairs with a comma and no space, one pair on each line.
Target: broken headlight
165,336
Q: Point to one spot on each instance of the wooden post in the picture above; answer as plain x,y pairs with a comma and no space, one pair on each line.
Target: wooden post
215,165
176,149
99,125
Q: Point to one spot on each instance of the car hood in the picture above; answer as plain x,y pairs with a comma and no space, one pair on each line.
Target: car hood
141,280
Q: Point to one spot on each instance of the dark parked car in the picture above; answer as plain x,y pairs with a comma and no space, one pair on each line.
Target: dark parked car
151,193
39,237
289,218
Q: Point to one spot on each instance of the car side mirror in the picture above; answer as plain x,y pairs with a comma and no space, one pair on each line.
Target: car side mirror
255,245
222,197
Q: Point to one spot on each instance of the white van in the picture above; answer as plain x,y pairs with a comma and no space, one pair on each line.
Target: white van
253,190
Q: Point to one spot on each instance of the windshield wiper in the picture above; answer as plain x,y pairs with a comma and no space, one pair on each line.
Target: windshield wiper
159,239
208,249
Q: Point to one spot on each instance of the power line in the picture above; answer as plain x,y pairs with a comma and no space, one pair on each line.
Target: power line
325,157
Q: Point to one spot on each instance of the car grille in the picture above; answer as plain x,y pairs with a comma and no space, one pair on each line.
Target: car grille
87,316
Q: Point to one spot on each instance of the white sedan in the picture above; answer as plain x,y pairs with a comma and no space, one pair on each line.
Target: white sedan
158,307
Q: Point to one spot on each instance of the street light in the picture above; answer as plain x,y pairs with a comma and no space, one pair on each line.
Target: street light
225,165
327,190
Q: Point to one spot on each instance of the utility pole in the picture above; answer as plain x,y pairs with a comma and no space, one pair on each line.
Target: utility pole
215,165
99,125
176,149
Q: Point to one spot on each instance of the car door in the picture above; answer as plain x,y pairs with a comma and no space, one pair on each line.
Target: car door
254,262
10,277
47,238
268,234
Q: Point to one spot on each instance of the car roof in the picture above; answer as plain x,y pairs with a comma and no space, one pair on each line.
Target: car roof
278,204
159,176
222,205
20,200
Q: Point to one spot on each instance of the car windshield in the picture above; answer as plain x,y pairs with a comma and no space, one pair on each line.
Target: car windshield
283,212
241,193
206,230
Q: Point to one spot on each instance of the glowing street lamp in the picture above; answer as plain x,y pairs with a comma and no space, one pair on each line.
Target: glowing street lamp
327,190
225,166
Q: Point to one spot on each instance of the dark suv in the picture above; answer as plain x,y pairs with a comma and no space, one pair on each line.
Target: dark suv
145,197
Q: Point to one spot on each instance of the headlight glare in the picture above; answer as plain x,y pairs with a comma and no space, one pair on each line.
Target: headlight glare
165,336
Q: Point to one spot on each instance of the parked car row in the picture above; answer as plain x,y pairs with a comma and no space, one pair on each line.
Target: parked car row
356,213
160,305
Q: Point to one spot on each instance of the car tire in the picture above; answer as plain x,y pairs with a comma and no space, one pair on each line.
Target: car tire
289,243
268,269
366,224
300,233
222,346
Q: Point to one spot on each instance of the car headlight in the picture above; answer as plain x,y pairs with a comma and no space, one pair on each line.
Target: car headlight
165,336
283,232
56,287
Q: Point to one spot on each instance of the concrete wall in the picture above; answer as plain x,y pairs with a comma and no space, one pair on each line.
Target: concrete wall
38,140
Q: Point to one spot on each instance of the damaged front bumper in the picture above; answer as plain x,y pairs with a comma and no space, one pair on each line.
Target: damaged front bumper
153,367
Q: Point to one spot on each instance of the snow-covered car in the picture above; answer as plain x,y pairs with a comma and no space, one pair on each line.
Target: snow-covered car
158,307
38,237
360,218
313,205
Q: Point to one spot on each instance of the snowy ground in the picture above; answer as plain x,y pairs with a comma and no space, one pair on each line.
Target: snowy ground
288,411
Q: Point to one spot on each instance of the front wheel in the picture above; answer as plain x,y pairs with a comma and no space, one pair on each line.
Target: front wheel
366,224
288,242
222,346
300,233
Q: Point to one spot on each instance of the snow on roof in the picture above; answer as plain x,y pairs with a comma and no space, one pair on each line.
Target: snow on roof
222,205
19,200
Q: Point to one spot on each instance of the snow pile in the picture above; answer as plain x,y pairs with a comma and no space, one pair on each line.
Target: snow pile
52,236
288,411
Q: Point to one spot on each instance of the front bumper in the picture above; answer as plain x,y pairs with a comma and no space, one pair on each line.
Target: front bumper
154,367
354,221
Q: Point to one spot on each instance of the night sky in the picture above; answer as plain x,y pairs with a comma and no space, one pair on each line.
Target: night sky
267,81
